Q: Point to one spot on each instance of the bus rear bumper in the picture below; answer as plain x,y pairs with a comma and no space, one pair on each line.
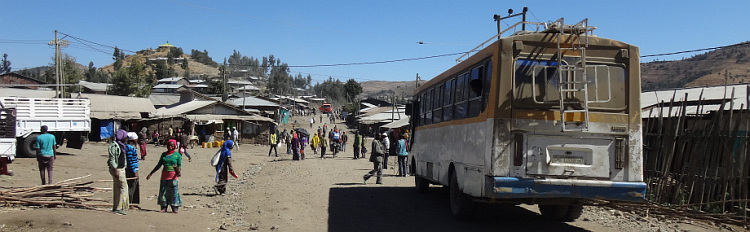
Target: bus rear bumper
512,187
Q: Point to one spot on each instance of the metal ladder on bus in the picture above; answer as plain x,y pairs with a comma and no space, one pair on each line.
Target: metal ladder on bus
570,85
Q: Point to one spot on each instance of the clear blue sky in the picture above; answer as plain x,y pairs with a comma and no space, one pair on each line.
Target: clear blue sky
345,31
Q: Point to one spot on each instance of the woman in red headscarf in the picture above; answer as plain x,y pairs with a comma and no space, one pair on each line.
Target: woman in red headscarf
168,188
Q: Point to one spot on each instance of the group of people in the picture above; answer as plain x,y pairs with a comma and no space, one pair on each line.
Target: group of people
123,166
382,148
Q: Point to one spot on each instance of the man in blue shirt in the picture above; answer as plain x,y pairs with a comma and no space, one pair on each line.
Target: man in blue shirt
45,154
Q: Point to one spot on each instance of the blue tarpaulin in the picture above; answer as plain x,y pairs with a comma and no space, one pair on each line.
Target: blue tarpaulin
106,128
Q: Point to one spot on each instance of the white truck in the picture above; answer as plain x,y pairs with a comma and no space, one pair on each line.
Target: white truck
66,118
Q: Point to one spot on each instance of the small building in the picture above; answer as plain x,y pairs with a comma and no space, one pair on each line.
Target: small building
165,47
174,81
16,80
257,105
111,111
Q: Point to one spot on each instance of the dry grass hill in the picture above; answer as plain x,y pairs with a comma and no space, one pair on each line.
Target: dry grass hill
195,67
730,65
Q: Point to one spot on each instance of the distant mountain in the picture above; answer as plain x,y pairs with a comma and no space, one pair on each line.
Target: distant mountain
730,65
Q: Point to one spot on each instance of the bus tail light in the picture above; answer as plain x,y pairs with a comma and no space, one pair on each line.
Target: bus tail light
621,151
518,150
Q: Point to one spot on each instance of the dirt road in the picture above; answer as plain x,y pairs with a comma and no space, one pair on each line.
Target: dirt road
278,194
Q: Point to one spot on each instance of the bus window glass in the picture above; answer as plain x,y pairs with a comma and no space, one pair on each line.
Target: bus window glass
437,113
536,85
474,89
428,110
448,99
487,84
461,103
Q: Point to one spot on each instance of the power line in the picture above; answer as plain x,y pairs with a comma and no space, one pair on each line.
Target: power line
307,27
696,50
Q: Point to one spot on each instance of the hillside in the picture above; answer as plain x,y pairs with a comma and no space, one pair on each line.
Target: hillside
195,67
402,89
729,65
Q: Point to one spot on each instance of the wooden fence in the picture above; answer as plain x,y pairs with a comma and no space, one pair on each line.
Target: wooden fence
698,162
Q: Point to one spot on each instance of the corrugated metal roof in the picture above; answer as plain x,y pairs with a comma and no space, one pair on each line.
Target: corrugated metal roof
710,98
164,99
118,107
167,86
183,108
208,117
13,92
252,101
99,87
170,79
398,123
381,117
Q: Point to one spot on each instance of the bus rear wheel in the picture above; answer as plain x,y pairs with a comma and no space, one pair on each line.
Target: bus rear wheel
422,184
461,205
565,213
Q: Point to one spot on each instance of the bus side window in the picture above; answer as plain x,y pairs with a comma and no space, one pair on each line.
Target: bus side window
475,91
437,106
461,101
428,107
487,84
450,88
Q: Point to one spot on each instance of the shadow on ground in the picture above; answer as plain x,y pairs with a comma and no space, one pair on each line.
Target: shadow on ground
402,209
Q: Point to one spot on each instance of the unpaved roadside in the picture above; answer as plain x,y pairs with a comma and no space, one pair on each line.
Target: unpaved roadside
278,194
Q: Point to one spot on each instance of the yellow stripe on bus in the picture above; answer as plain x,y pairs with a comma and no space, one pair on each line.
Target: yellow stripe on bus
569,117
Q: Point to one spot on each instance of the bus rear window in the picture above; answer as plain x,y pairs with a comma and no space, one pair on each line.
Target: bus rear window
537,85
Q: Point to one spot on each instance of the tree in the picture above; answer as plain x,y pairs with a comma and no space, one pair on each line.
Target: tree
203,58
5,64
352,88
131,81
185,67
71,73
118,57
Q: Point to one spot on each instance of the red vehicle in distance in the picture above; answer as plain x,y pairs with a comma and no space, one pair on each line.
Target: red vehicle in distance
326,108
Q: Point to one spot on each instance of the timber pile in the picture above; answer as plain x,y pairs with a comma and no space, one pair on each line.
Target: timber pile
70,193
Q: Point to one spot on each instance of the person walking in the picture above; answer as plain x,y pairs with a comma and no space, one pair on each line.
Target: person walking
363,152
402,154
386,143
169,194
156,138
171,132
142,139
314,143
46,147
356,144
273,142
288,141
295,145
376,158
302,144
312,120
184,141
344,139
131,173
117,162
236,137
323,145
224,167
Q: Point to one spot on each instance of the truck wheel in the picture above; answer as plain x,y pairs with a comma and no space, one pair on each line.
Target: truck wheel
26,146
461,205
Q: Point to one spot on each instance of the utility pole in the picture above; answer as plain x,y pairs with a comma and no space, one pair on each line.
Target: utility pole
224,77
416,83
59,91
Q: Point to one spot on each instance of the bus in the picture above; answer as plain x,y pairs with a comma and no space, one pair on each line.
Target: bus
549,116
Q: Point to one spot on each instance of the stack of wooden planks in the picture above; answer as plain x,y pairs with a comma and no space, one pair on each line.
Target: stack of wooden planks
68,193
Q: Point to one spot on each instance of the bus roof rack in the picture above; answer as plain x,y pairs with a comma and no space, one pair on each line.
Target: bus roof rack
556,26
